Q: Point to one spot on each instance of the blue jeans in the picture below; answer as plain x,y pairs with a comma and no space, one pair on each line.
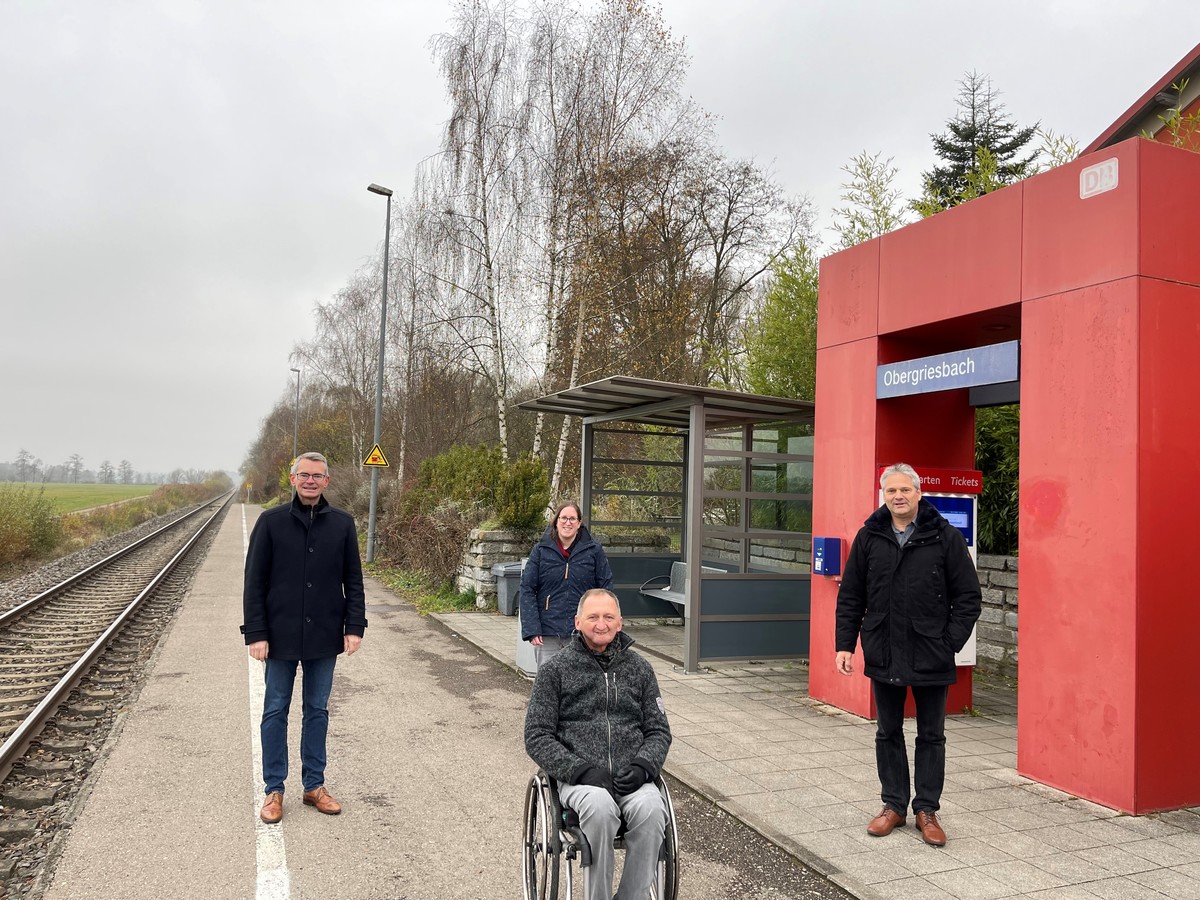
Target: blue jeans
891,756
315,687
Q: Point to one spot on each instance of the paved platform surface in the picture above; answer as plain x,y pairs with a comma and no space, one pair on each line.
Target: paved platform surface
416,716
425,753
803,774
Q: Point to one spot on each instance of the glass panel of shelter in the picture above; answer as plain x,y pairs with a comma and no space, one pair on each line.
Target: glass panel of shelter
756,497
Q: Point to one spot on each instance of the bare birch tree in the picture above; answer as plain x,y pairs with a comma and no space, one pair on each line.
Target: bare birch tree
340,363
630,70
480,61
576,221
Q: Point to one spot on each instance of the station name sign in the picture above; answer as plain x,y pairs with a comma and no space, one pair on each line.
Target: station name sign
993,364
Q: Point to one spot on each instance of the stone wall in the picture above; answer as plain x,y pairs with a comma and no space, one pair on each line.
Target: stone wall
486,547
996,633
788,559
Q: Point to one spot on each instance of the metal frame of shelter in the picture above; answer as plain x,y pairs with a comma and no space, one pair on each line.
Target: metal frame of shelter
747,610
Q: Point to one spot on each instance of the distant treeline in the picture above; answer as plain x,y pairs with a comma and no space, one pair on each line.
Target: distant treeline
31,469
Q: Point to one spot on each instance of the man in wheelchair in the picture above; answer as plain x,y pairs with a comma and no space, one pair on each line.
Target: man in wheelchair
597,725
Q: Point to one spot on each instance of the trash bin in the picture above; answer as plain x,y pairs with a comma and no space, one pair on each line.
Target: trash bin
526,656
508,586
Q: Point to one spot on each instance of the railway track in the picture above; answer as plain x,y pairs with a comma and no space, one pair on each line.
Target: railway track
71,659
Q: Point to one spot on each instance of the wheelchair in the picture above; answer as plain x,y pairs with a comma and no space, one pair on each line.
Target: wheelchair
552,836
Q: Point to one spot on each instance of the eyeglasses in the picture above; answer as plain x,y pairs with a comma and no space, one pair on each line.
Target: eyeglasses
569,520
310,476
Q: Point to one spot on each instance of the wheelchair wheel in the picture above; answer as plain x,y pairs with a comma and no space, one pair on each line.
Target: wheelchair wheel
666,883
541,850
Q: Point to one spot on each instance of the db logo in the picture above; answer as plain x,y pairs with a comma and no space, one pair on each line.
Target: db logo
1098,178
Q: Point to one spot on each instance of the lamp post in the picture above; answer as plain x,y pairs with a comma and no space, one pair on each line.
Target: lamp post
387,236
296,421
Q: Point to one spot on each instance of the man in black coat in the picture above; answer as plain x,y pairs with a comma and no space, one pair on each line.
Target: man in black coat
911,593
303,604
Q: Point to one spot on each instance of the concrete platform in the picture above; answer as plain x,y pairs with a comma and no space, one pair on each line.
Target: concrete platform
416,716
425,752
426,755
803,774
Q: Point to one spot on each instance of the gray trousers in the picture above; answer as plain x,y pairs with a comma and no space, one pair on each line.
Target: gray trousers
551,644
599,817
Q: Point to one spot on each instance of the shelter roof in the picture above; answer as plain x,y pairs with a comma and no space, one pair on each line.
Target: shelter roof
1144,114
640,400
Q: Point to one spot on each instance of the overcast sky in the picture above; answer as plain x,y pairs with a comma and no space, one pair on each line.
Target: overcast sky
180,182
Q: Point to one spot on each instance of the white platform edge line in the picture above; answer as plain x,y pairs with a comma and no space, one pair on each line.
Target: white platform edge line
273,882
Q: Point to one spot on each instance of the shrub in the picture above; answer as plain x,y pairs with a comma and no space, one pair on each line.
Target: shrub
89,526
466,476
29,525
522,494
425,528
428,542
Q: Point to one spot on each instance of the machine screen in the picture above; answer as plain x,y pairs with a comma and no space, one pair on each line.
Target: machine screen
957,511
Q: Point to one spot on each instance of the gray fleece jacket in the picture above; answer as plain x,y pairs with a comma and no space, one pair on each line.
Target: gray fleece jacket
596,709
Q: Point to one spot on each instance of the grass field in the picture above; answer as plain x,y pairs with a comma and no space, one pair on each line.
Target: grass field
74,497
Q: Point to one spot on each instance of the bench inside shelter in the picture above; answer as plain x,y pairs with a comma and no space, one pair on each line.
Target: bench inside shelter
675,591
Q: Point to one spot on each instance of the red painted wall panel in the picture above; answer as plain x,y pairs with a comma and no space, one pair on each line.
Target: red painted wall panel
848,306
844,493
933,430
963,260
1168,706
1068,242
1170,186
1079,537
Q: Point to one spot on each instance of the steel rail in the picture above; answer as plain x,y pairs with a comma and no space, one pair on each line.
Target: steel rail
29,605
18,742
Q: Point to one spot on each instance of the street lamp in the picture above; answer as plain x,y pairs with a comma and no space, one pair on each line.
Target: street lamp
387,236
296,421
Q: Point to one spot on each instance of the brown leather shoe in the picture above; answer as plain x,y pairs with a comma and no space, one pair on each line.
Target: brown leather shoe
272,808
323,801
931,829
885,822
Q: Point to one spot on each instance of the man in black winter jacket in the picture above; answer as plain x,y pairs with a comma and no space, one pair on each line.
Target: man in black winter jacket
303,604
911,593
597,725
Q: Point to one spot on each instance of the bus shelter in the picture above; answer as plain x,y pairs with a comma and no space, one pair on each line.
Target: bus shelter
718,478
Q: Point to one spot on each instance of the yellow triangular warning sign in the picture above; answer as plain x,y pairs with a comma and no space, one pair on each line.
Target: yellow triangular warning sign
375,457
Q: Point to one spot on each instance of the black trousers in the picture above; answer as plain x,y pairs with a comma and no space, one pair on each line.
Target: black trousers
891,756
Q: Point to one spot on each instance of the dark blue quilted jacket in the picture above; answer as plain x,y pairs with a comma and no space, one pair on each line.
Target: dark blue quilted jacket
551,585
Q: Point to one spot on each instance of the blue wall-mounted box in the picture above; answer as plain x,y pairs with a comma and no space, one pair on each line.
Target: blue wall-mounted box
827,556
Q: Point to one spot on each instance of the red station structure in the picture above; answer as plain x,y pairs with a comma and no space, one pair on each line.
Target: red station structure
1093,268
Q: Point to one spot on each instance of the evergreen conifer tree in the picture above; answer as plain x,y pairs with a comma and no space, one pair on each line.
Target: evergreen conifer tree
981,123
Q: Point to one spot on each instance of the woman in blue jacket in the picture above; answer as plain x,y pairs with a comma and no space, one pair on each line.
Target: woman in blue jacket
566,562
